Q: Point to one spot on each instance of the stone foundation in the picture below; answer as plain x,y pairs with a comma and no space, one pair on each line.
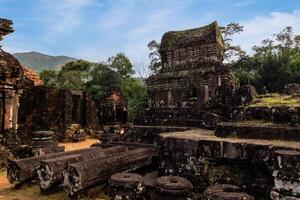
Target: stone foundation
206,160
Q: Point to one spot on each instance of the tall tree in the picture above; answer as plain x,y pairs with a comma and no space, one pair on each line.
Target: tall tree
154,56
74,75
101,78
232,52
122,65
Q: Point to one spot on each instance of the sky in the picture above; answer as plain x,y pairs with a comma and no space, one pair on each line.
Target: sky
97,29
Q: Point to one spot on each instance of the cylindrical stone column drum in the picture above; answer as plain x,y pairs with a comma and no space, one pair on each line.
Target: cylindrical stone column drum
172,188
124,186
42,139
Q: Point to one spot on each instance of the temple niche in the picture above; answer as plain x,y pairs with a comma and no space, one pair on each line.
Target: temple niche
113,107
192,71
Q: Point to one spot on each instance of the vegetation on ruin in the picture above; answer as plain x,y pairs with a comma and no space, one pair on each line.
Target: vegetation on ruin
277,100
96,78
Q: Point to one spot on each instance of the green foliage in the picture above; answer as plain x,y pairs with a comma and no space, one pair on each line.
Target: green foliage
122,65
136,94
49,77
74,75
276,100
232,51
154,56
276,62
101,78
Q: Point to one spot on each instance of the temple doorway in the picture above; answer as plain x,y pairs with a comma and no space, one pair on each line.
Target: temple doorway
76,109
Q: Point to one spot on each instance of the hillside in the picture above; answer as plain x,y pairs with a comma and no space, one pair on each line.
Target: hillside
39,61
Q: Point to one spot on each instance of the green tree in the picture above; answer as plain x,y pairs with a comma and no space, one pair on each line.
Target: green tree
275,63
122,65
154,56
136,93
101,78
74,75
232,52
49,77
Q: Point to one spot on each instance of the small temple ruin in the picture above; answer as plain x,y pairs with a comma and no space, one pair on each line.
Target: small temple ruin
202,137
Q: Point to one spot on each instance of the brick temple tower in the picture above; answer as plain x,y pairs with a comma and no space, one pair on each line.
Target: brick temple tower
192,69
192,73
10,76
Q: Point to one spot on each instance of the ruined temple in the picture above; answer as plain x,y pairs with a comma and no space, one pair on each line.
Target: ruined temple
192,69
10,75
192,73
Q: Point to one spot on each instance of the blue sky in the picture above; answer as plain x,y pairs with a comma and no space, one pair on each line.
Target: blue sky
97,29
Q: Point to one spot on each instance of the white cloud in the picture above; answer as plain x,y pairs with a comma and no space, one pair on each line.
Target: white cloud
263,27
62,17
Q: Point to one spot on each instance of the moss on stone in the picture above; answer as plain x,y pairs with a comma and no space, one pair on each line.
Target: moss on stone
276,100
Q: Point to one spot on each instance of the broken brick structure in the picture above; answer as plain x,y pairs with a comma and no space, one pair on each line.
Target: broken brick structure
43,108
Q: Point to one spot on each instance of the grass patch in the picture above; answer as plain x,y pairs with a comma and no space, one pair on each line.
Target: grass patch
276,100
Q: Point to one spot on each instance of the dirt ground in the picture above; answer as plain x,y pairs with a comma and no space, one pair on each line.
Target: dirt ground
32,191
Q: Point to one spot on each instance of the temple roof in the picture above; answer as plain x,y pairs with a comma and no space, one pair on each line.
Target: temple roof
9,66
33,76
206,34
5,27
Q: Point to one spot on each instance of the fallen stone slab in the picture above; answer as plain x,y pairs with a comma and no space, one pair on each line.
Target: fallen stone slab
79,176
23,170
130,145
49,172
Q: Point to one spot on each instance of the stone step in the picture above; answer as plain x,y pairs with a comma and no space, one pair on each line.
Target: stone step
257,131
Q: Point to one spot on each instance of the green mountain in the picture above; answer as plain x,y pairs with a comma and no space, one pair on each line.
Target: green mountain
39,61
